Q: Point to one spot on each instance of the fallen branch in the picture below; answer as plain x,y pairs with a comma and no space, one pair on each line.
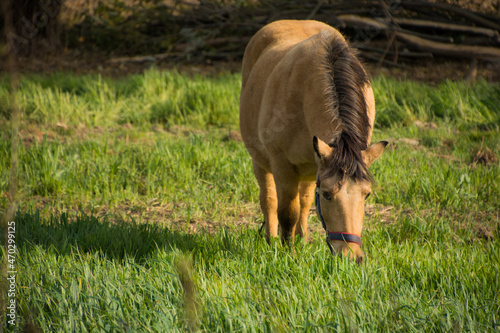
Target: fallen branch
408,54
449,27
451,50
445,49
457,10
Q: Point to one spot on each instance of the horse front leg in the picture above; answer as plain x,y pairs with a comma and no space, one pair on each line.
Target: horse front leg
268,201
288,212
287,186
306,191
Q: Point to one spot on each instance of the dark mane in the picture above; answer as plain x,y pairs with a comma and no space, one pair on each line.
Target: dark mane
345,80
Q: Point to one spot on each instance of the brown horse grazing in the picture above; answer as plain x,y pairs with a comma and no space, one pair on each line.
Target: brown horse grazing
306,113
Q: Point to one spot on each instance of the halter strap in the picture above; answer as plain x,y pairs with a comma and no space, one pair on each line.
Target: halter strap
344,236
330,235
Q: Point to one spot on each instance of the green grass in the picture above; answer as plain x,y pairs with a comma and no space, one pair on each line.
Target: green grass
167,98
118,178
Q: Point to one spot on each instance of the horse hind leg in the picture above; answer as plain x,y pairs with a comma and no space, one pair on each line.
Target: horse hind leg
268,201
306,191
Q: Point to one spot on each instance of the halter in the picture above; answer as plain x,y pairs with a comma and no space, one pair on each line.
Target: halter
342,236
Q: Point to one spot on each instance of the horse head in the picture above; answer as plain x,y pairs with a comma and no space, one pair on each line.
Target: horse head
341,194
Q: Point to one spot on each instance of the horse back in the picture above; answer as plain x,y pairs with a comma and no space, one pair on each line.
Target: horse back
275,37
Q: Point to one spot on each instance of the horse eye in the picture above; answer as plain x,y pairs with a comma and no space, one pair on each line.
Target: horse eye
367,196
327,196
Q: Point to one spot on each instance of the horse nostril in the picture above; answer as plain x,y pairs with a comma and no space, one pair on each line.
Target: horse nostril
359,259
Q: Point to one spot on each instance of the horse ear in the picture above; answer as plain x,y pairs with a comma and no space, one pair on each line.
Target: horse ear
321,148
373,152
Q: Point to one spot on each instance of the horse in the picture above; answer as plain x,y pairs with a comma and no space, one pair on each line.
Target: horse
307,111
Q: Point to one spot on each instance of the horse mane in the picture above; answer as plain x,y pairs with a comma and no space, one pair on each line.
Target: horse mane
345,82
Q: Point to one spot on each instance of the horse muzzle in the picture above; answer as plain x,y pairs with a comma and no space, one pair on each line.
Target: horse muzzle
345,249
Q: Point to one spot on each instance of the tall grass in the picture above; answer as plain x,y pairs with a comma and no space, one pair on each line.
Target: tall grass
160,139
459,103
171,170
164,97
175,99
91,276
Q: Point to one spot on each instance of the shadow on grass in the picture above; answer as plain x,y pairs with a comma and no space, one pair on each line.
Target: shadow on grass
128,239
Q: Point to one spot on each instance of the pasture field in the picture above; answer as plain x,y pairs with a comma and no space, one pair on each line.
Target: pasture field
138,212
